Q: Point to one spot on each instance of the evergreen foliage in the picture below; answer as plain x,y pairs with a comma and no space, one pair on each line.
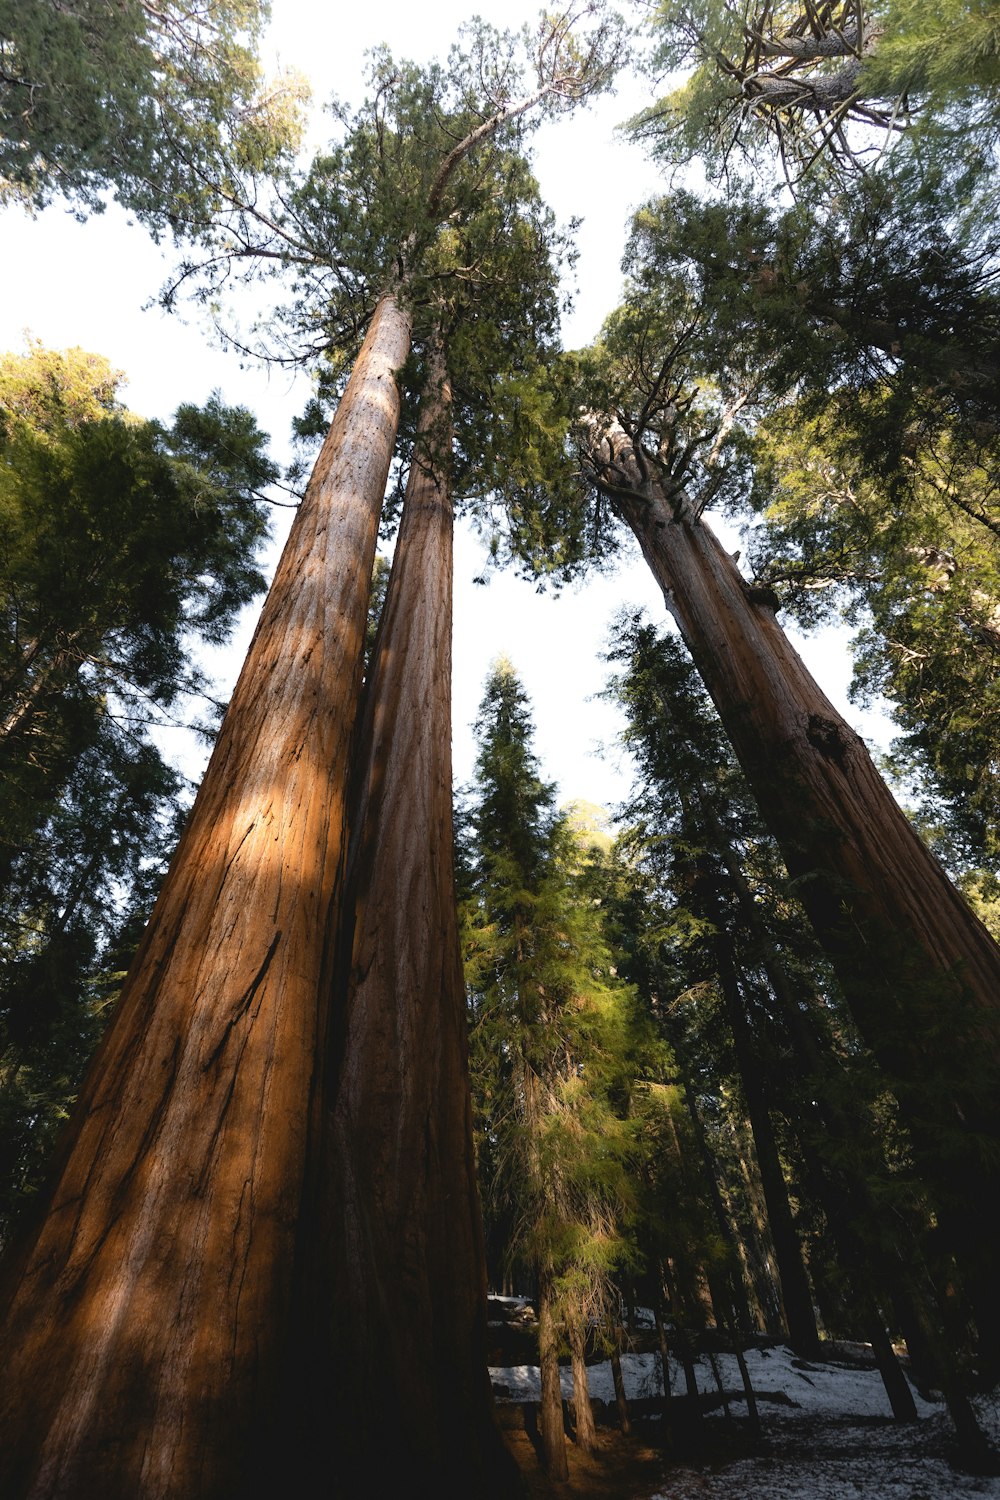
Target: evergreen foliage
757,1022
833,90
166,104
124,542
549,1027
660,1053
922,581
426,193
860,357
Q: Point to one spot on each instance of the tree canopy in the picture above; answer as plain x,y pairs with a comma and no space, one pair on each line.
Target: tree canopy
164,104
672,1088
124,543
839,87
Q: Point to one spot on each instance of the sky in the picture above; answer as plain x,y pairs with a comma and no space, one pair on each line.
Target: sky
94,285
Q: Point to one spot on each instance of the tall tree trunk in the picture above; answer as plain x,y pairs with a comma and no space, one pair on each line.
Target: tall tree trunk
60,670
146,1309
855,1217
550,1411
920,971
736,1236
664,1347
897,1387
843,1185
583,1412
753,1411
402,1245
618,1378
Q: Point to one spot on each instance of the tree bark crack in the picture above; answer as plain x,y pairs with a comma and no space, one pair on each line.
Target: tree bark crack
245,1001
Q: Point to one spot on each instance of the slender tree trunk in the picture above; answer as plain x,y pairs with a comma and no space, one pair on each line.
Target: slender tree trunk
621,1401
844,1188
753,1412
920,971
60,669
719,1383
729,1235
682,1347
586,1431
402,1246
796,1294
724,1216
853,1214
897,1387
661,1335
146,1311
682,1340
550,1415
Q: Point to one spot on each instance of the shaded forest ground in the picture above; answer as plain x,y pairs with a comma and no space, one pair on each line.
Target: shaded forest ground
827,1435
812,1458
621,1469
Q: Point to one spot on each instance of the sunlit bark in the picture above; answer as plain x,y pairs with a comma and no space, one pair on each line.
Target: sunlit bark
921,972
145,1310
550,1408
401,1246
583,1412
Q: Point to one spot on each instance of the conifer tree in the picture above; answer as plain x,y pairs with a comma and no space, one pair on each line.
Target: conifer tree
695,815
150,1297
548,1026
124,541
856,861
162,103
830,91
192,1175
395,1295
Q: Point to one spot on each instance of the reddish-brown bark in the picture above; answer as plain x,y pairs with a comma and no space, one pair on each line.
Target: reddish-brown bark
146,1310
401,1248
920,971
583,1412
550,1407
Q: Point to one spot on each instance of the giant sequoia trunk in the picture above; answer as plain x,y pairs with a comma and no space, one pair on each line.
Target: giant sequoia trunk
146,1310
920,971
401,1248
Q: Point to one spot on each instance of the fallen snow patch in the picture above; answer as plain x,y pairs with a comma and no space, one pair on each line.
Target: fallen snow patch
837,1441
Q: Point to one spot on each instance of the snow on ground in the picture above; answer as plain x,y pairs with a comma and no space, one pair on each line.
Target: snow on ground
837,1440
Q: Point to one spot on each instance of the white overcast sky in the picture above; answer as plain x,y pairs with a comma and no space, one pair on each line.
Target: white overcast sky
90,285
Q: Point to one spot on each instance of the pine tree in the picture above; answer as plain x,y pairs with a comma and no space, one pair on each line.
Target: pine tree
549,1022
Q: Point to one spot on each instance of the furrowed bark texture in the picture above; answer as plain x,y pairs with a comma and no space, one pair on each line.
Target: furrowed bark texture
145,1325
403,1231
550,1407
920,971
583,1412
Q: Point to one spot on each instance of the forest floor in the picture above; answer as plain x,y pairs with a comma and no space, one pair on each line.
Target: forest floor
827,1435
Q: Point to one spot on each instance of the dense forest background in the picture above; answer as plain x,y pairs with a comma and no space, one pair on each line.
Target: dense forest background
727,1049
